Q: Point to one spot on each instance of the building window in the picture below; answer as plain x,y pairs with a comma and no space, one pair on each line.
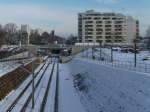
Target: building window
98,22
99,25
88,25
99,33
99,29
88,22
99,37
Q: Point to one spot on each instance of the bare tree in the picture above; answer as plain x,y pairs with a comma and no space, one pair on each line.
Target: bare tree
2,37
148,32
11,30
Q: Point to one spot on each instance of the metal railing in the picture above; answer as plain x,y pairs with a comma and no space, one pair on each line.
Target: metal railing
128,65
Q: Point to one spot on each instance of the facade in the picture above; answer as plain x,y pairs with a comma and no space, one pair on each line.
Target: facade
25,33
106,28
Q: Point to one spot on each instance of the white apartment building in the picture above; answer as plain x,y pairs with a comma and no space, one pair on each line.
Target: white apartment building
25,28
106,27
25,33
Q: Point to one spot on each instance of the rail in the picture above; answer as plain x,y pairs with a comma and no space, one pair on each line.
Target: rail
10,108
42,108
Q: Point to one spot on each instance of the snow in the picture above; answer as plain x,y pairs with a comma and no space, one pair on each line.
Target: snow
6,102
9,66
51,96
28,92
6,67
89,86
121,60
39,93
111,89
69,99
119,56
66,92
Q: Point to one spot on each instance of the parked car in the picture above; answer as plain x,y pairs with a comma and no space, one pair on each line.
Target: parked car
146,58
124,50
132,50
116,49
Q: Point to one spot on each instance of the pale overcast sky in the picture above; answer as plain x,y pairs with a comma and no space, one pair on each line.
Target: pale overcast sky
61,15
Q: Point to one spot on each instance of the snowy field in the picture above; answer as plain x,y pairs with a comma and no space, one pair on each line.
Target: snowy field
105,89
121,60
119,56
88,86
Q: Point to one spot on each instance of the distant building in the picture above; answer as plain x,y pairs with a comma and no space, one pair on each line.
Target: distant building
25,33
107,28
132,29
145,42
38,31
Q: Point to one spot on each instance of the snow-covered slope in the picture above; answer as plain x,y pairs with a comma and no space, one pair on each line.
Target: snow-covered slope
6,67
106,89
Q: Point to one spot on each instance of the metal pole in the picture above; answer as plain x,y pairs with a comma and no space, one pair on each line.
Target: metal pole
32,84
87,52
92,52
88,48
84,50
111,54
135,54
100,45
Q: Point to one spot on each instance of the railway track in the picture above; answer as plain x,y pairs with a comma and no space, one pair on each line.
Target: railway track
56,103
24,107
10,108
30,97
49,91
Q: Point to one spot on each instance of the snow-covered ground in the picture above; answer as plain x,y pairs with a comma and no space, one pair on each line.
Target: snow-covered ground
119,56
6,102
106,89
9,66
121,60
6,67
89,86
68,99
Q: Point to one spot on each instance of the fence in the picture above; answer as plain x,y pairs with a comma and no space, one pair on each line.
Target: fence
129,65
